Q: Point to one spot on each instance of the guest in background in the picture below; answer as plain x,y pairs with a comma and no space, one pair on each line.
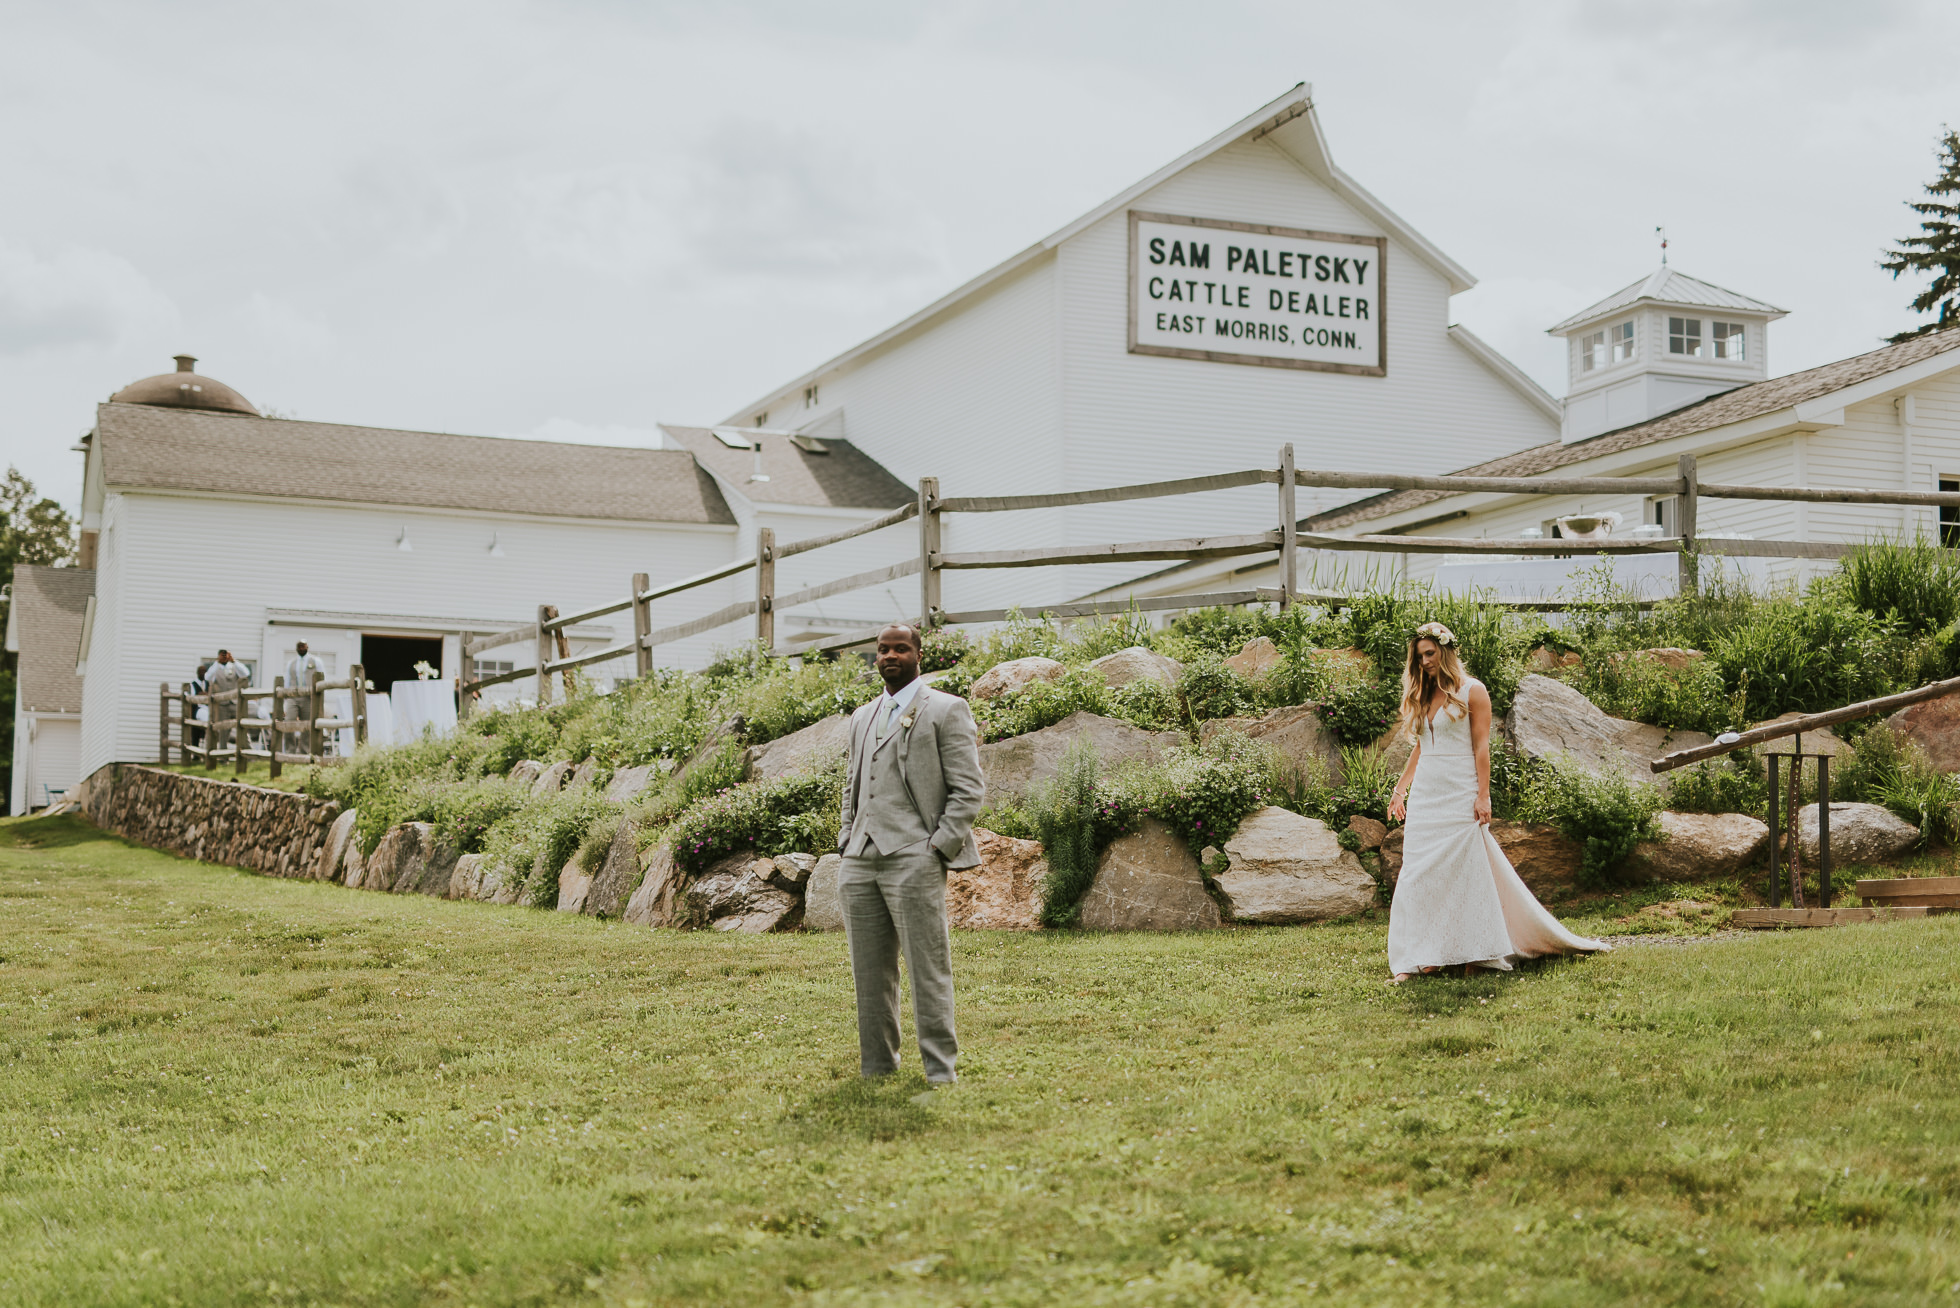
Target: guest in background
196,735
299,675
227,674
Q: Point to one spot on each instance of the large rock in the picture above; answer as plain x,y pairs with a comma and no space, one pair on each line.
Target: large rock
1016,765
1860,833
652,905
1671,657
1544,858
1933,725
411,860
1549,720
1541,660
466,878
1288,868
1148,881
628,784
792,871
1371,832
1014,675
583,775
766,910
823,908
1297,732
808,750
617,878
525,772
1702,846
574,884
353,865
1391,852
552,779
1136,664
333,854
1003,893
1256,659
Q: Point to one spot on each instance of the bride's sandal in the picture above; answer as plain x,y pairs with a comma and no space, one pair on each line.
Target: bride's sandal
1400,978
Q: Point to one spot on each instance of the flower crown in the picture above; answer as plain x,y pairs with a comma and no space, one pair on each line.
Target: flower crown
1437,632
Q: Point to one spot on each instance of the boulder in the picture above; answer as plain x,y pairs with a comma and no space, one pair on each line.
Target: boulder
1372,833
823,909
1542,660
1136,664
466,878
1821,741
583,775
792,871
526,772
808,750
574,884
1148,881
1297,732
1391,852
766,910
1671,657
1288,868
1549,720
1014,675
617,878
1703,846
353,866
1016,765
1860,833
628,784
1933,725
410,859
1544,858
1003,893
333,854
1256,659
652,905
552,779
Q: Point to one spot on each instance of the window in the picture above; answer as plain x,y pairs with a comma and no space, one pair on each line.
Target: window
493,668
1729,341
1684,337
809,397
761,419
1949,516
1622,341
1661,512
1592,352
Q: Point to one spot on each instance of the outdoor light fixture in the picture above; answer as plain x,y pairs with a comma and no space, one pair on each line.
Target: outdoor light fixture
401,541
758,474
496,546
1728,738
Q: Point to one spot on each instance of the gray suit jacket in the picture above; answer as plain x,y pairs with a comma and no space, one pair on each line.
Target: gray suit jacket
939,760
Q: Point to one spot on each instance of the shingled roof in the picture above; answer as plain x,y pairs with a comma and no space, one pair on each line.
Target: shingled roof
46,619
841,476
1742,403
185,449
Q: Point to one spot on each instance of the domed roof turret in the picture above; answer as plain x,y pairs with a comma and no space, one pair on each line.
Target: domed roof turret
184,389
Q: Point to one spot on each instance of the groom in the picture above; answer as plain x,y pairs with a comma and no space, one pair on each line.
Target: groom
911,792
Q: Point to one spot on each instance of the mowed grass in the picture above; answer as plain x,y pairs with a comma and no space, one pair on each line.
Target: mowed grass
222,1089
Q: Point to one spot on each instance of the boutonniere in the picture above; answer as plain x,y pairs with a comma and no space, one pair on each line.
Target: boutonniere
906,722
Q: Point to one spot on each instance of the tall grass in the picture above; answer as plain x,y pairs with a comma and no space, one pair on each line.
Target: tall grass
1065,823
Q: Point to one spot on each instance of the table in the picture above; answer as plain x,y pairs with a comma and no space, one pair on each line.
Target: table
422,706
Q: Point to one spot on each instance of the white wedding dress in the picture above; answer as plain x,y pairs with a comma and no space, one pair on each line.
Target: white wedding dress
1458,899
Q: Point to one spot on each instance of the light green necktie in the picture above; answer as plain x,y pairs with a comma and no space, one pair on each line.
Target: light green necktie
885,726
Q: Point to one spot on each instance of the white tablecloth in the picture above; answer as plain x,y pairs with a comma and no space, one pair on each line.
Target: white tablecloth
380,719
420,705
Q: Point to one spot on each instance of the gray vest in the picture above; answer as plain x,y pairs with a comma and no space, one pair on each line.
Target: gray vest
885,815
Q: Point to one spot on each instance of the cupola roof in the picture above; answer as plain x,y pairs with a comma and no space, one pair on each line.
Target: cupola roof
184,389
1666,285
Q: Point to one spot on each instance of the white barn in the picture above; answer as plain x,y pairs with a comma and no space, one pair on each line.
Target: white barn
44,630
1248,294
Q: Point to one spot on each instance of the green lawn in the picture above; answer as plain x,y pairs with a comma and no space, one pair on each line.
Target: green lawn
223,1089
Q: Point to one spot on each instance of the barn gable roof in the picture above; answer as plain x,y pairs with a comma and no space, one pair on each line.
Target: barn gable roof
800,470
45,621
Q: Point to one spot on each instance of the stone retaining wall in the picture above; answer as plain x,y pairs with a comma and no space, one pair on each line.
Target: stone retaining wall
270,831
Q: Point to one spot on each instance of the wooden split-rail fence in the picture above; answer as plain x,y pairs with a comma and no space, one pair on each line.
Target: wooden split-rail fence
310,725
553,655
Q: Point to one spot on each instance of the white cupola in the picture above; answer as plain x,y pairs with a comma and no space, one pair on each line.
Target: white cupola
1661,343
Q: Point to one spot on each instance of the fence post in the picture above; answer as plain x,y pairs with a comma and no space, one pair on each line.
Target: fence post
357,675
642,625
238,740
1289,531
929,589
765,588
546,612
186,720
211,730
1685,506
315,702
163,724
278,715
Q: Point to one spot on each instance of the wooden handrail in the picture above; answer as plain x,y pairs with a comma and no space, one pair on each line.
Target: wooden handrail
1108,495
905,513
1194,547
1808,722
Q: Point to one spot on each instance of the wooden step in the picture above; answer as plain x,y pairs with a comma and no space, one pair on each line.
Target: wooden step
1766,918
1916,892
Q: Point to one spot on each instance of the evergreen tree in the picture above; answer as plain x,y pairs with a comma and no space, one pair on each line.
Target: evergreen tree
1936,250
32,530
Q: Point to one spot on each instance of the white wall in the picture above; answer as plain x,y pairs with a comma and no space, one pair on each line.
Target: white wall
182,575
47,758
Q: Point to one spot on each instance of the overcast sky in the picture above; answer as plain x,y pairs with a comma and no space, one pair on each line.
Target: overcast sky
575,220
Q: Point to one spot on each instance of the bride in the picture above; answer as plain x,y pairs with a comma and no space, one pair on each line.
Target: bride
1458,900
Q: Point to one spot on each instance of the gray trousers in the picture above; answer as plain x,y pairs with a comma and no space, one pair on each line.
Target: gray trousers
895,902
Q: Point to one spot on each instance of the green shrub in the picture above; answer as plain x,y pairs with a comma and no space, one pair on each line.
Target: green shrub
1732,783
1359,711
1643,690
1096,637
943,648
1064,813
1019,637
1009,816
537,840
1804,655
1913,584
1210,690
464,814
1043,704
1382,623
1217,633
1607,814
789,700
799,812
1889,769
1202,792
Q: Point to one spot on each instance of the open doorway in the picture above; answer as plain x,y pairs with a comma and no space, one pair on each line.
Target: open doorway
388,659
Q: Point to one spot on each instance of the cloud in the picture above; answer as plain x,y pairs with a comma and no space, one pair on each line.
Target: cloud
74,297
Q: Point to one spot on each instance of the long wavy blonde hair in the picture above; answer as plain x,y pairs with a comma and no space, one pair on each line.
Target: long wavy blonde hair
1418,688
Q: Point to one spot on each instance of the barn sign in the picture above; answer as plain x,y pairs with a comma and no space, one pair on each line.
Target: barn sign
1277,297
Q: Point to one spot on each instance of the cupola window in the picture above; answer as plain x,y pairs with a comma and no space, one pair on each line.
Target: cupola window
1592,352
1622,341
1684,337
1729,337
